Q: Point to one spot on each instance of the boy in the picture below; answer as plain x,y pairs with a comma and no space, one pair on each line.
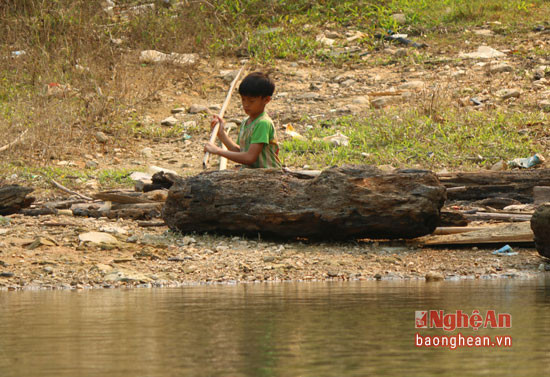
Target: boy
256,145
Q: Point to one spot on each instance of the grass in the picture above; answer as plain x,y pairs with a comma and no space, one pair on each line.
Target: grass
411,139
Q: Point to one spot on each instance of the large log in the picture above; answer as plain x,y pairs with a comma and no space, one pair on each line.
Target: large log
13,198
540,224
340,203
517,184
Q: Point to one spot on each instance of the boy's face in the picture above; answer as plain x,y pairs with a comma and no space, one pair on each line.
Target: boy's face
254,106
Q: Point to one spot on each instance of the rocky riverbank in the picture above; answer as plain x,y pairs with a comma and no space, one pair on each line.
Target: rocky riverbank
65,252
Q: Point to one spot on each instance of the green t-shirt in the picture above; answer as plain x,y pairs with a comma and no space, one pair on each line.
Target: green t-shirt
260,131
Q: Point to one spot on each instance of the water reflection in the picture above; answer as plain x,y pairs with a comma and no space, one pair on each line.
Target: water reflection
310,329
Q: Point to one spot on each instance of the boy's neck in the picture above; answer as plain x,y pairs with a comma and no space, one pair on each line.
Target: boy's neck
253,117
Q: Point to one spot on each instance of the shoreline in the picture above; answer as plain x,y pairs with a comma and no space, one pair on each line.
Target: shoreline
452,279
47,253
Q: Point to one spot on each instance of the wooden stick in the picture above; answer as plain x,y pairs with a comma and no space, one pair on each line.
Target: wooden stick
221,114
223,160
17,140
63,188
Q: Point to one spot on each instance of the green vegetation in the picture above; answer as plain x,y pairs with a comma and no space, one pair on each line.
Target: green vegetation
408,139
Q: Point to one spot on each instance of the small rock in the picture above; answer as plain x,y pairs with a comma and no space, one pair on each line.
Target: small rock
169,122
501,67
91,164
484,32
189,269
101,137
113,230
229,76
381,102
508,93
400,18
196,109
98,238
147,153
483,52
414,85
324,40
178,110
544,105
499,166
348,83
309,96
434,276
363,100
6,274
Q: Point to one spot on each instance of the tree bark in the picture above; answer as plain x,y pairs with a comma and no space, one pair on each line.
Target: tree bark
517,184
341,203
13,198
540,224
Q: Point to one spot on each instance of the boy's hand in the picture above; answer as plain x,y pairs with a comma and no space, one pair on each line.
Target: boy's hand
217,119
211,148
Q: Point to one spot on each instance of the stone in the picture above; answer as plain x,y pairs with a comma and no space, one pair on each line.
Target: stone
91,164
362,100
178,110
113,230
484,32
97,238
147,153
182,60
101,137
381,102
434,276
544,105
499,166
197,109
169,122
309,96
483,52
400,18
157,169
229,75
500,67
508,93
414,85
324,40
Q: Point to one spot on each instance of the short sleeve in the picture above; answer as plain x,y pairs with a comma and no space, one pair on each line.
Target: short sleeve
262,133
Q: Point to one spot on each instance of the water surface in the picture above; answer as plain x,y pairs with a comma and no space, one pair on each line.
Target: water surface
286,329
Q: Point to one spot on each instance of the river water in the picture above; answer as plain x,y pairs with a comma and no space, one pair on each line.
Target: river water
285,329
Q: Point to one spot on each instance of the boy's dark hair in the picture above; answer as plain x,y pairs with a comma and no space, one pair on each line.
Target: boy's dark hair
257,84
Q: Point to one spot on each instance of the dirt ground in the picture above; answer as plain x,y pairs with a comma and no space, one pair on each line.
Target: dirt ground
45,252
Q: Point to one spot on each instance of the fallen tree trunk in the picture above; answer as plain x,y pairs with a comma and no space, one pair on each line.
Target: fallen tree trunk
13,198
540,224
516,185
346,202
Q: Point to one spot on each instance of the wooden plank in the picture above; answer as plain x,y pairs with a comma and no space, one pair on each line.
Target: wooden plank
122,197
509,233
444,230
485,216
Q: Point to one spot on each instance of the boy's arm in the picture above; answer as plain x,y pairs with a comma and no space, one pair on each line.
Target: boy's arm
222,135
245,158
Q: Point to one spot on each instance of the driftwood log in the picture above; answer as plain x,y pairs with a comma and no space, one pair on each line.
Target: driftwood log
517,184
540,224
340,203
13,198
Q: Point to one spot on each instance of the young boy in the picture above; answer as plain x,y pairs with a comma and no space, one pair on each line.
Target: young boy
256,145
